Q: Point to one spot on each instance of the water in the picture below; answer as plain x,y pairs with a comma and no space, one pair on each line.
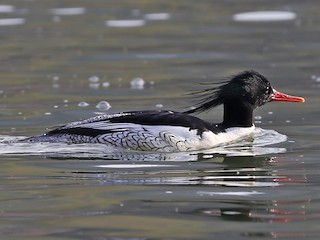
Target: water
56,55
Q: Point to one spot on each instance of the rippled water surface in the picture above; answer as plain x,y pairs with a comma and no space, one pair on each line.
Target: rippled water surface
62,61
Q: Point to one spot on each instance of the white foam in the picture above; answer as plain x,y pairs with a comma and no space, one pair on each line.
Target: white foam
11,21
68,11
7,8
157,16
125,23
235,193
264,16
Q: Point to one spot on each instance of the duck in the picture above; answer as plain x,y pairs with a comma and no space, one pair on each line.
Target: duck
172,131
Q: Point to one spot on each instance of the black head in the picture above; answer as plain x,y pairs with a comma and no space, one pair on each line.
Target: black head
240,96
248,88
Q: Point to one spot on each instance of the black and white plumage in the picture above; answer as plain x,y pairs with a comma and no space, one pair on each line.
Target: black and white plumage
169,131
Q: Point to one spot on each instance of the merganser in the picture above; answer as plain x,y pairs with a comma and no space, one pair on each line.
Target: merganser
169,131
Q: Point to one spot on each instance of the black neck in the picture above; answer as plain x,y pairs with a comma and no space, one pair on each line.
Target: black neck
237,115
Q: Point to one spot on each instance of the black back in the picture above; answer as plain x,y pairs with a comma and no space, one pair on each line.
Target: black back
151,118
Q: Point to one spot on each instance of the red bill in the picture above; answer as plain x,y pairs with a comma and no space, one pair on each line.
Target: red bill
281,97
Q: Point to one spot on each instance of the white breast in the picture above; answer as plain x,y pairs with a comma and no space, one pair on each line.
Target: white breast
210,139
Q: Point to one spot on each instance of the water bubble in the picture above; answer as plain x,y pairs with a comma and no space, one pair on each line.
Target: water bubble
119,82
103,106
56,19
159,105
257,119
94,85
83,104
137,83
135,12
55,78
105,84
47,113
94,79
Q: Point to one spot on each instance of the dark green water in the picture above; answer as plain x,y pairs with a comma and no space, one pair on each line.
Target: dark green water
59,59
